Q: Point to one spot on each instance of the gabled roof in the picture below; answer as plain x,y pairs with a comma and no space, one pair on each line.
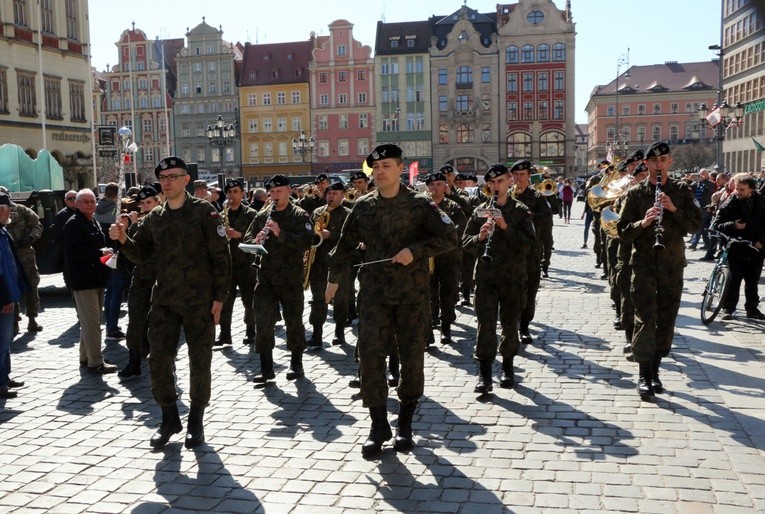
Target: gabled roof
417,31
275,63
202,29
484,24
667,77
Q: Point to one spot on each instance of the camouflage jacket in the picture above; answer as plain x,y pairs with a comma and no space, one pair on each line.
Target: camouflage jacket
310,203
240,220
386,226
686,220
336,221
457,215
189,251
25,227
541,213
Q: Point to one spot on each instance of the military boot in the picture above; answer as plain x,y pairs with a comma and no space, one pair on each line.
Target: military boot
249,335
32,325
393,372
196,432
403,442
133,368
544,271
484,384
658,387
378,434
296,366
171,424
446,333
628,337
224,337
266,368
339,336
645,386
525,334
507,380
315,341
355,382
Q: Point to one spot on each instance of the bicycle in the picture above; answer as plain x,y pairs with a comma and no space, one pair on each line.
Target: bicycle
718,284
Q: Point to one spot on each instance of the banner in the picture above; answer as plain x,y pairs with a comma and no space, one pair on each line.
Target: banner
714,117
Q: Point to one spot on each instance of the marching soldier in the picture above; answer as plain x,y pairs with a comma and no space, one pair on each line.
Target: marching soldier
186,241
25,228
656,215
541,216
463,181
503,243
446,267
285,230
453,193
334,215
310,203
401,230
359,182
237,218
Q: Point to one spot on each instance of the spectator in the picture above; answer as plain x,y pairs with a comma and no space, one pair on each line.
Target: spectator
702,190
567,195
107,209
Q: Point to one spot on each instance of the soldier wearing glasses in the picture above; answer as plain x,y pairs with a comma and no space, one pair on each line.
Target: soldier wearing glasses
186,241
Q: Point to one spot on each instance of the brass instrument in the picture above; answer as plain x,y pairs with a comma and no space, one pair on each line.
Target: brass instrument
322,222
266,232
658,227
597,197
351,194
608,220
492,205
547,187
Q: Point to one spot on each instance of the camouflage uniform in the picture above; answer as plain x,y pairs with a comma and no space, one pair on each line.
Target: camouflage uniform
657,275
623,277
242,272
393,299
468,259
25,228
280,276
188,247
444,291
500,284
139,299
310,203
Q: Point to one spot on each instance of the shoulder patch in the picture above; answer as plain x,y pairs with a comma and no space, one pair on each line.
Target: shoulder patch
221,231
696,202
308,227
214,214
445,218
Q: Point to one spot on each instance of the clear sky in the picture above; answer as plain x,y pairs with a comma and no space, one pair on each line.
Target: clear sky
655,31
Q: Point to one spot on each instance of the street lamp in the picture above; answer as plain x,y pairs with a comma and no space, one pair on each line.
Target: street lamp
127,148
220,134
728,116
303,145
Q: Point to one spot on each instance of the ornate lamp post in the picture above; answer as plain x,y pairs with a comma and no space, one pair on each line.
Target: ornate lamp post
303,145
127,148
221,135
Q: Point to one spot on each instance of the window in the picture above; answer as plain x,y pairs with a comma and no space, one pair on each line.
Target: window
611,111
464,134
267,125
147,125
252,99
543,53
543,114
528,110
323,123
343,122
625,110
200,129
76,100
389,124
342,98
341,50
464,76
201,156
281,98
673,133
281,124
3,91
323,148
20,12
46,10
442,77
518,145
198,88
511,55
266,98
253,125
464,102
27,94
363,121
212,87
689,107
443,103
297,124
324,99
527,53
117,105
362,146
558,78
528,82
486,133
53,98
342,147
443,133
559,52
197,67
323,76
362,98
296,97
268,150
360,75
512,82
543,85
226,86
656,133
71,19
535,17
641,109
485,75
512,111
673,107
551,145
341,76
210,64
657,108
185,129
559,112
283,149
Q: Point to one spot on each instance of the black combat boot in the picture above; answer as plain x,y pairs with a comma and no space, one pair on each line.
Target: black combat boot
249,335
196,432
446,333
339,336
171,424
393,372
507,380
32,325
133,368
403,442
379,433
484,384
266,368
224,337
544,271
296,366
658,387
315,341
525,334
355,382
628,338
645,386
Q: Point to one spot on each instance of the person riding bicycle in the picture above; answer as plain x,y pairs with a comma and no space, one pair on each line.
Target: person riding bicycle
742,216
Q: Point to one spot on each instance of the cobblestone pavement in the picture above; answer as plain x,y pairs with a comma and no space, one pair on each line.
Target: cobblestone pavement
573,434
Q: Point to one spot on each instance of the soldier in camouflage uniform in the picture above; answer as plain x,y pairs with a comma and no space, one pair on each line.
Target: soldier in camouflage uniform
403,228
463,181
444,278
141,286
285,230
502,245
657,273
359,182
185,239
237,218
25,228
310,203
541,216
330,234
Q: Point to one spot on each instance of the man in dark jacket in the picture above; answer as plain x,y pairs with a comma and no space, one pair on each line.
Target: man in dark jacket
86,277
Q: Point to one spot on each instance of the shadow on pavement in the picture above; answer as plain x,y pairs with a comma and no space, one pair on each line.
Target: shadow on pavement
80,397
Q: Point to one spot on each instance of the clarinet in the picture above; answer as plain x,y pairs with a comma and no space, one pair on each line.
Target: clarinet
486,257
266,232
658,228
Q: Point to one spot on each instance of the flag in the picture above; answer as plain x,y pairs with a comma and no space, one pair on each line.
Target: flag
414,169
714,117
735,122
758,146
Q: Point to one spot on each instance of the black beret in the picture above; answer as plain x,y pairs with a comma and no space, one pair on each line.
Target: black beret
336,186
623,165
436,175
170,162
604,163
358,175
320,177
640,169
446,169
521,165
496,170
5,199
235,182
386,151
157,187
199,184
462,176
276,181
636,156
147,192
657,149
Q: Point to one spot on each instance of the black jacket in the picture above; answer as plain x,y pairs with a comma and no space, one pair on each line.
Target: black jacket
82,240
751,211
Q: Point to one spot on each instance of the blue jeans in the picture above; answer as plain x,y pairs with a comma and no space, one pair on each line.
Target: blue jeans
702,234
115,287
6,337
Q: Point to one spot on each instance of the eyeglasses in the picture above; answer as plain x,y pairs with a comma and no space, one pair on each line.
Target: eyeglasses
70,198
171,177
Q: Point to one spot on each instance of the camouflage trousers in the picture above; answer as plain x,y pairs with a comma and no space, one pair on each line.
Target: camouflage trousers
270,292
164,332
627,312
242,277
533,277
31,297
503,298
466,273
139,305
596,232
612,257
546,237
379,326
444,290
656,296
319,307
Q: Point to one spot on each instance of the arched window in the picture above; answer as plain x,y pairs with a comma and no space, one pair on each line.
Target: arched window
552,145
518,145
511,55
527,53
543,53
558,52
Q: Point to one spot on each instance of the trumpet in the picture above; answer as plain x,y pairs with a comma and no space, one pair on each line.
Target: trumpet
492,205
352,194
659,228
322,222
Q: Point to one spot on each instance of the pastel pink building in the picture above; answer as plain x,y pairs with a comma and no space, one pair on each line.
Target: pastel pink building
342,83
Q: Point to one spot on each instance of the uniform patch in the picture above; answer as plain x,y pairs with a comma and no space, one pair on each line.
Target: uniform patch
214,214
308,226
445,218
696,203
221,231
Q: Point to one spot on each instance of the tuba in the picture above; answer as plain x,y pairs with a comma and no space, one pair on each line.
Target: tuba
597,196
322,221
608,220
